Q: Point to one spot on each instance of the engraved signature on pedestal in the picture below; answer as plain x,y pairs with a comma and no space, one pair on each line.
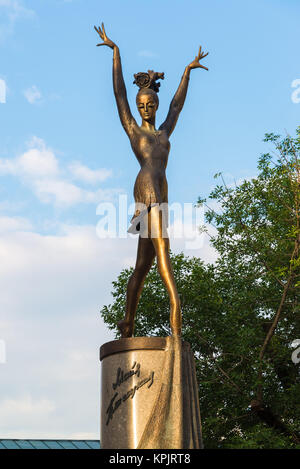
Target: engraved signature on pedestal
121,377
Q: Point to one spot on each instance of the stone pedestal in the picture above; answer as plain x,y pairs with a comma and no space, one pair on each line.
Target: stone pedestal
149,396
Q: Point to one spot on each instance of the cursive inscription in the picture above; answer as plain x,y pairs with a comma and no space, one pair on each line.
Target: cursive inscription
115,403
122,377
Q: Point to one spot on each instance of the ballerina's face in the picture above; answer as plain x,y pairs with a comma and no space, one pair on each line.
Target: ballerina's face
147,107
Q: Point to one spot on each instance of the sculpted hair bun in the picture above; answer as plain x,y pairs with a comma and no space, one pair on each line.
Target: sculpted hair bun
148,80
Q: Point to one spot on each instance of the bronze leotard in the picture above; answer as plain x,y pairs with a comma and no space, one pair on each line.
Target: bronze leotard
152,151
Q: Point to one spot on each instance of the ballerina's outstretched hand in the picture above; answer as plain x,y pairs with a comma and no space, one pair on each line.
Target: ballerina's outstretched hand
105,39
196,62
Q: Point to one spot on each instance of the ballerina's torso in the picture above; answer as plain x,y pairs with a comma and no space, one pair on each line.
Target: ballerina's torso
151,150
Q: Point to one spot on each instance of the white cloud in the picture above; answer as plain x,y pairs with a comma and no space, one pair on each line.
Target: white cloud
25,406
38,161
9,206
15,9
39,169
33,95
14,224
58,191
12,11
85,174
51,290
67,274
2,91
65,194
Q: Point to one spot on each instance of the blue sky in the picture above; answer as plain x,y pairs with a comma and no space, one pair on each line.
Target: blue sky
63,150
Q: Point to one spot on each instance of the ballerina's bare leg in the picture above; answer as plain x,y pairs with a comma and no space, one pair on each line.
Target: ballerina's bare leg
157,244
144,261
161,244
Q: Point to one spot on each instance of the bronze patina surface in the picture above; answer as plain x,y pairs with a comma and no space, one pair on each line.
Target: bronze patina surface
151,147
149,389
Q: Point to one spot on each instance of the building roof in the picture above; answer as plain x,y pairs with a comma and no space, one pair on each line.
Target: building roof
49,444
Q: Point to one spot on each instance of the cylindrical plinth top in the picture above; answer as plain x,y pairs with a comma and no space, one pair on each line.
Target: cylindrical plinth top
132,343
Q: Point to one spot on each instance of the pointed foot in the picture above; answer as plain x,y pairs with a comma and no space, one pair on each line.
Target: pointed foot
125,328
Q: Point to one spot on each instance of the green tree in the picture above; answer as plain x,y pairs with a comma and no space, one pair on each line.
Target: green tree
241,314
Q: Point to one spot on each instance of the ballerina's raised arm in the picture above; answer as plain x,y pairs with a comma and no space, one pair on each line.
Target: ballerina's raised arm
180,95
126,117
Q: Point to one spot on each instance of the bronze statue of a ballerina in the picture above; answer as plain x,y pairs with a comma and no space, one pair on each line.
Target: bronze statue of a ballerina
151,148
